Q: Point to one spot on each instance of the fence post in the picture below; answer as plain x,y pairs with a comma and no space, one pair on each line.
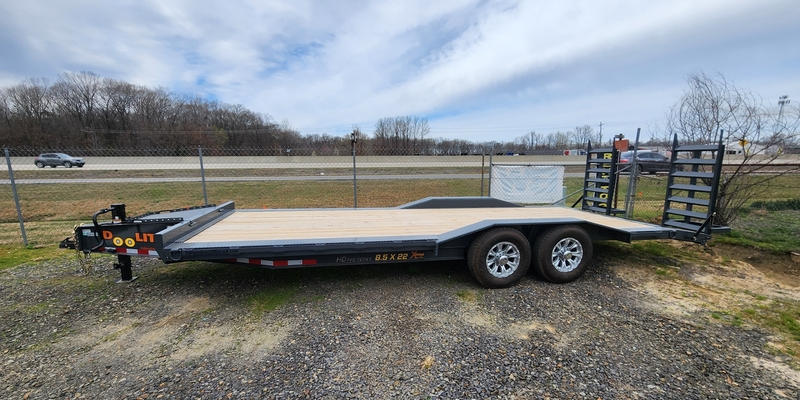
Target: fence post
489,191
355,188
632,177
202,175
16,199
483,165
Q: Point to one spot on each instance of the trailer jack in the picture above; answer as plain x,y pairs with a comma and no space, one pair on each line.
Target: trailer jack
123,264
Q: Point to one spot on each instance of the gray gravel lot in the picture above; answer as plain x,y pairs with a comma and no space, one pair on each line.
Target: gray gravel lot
405,331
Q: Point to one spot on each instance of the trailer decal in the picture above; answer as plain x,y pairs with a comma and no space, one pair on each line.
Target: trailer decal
398,256
273,263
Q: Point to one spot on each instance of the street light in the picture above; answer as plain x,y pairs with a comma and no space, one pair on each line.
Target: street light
782,101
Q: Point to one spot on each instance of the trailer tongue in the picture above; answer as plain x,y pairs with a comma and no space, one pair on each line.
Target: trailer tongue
499,240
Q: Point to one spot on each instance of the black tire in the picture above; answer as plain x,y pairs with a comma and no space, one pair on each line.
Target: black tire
640,170
574,237
67,164
39,164
508,241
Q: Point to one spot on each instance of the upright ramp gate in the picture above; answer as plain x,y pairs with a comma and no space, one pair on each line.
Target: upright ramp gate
599,184
692,184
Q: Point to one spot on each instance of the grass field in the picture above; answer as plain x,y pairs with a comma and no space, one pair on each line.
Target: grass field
51,210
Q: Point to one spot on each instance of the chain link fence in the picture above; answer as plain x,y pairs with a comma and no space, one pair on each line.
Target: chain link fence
54,195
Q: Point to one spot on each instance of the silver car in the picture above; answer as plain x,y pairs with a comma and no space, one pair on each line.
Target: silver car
55,159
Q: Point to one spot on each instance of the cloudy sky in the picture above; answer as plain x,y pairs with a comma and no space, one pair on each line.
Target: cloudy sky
479,70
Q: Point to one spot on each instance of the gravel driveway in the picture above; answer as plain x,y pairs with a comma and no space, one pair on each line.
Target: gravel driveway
405,331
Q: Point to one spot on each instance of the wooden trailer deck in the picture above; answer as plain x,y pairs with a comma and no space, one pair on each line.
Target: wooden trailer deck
363,224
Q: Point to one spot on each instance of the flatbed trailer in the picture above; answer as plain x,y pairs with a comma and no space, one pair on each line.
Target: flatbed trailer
499,240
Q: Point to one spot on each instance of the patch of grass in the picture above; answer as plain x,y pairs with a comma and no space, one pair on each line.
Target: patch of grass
84,285
776,205
775,231
468,296
649,252
724,316
269,299
40,234
781,317
37,308
654,248
11,256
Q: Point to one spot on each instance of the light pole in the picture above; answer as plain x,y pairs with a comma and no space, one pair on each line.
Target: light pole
782,101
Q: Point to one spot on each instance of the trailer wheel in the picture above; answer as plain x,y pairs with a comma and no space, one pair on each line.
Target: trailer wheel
499,257
562,253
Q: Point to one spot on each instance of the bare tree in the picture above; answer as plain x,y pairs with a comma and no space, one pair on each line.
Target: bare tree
5,110
75,94
712,105
401,135
584,134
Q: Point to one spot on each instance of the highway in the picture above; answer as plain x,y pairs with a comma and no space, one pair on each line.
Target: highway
295,162
255,178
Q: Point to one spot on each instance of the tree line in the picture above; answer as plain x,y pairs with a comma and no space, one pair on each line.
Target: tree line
84,110
81,110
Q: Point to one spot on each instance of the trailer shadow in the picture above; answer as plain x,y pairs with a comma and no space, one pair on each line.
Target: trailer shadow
192,273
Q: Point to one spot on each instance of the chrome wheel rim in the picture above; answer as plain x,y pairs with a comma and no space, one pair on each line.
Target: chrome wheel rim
502,259
567,254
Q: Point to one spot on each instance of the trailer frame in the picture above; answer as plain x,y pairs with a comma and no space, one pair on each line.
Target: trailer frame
546,237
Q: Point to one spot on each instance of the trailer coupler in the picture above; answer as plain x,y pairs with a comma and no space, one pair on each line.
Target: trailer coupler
68,243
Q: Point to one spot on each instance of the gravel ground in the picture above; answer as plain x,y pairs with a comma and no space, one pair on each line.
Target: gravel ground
197,330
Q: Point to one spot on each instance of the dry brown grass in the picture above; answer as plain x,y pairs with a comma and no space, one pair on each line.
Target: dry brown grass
50,210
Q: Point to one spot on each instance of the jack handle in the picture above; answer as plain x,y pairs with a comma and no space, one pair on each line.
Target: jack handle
97,229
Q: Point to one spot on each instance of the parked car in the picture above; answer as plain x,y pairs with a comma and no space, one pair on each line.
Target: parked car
55,159
646,161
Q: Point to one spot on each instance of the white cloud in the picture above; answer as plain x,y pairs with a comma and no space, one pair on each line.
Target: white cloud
324,65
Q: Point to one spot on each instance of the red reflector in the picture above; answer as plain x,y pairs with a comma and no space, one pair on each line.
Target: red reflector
255,261
280,263
309,262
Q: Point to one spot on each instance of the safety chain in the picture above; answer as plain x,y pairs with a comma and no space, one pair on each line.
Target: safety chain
84,259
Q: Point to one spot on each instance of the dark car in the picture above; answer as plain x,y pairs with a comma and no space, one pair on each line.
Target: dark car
646,161
56,159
